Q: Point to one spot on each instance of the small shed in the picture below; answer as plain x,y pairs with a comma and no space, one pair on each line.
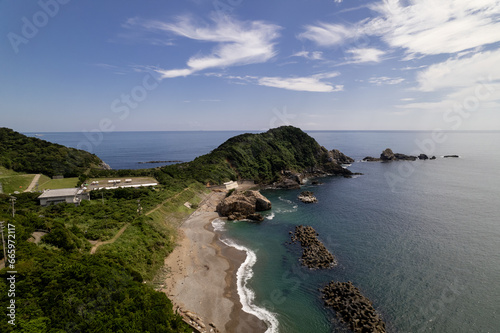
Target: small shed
231,185
69,195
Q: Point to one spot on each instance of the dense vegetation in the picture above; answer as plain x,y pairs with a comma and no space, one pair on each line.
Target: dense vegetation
61,287
261,157
32,155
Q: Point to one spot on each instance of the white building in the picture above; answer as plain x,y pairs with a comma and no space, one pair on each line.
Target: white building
69,195
231,185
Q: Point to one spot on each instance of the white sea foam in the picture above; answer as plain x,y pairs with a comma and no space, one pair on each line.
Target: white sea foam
247,295
270,216
291,203
219,225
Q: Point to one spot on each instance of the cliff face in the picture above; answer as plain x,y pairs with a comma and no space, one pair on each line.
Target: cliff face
266,158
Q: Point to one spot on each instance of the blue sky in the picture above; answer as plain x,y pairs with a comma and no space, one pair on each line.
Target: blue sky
68,65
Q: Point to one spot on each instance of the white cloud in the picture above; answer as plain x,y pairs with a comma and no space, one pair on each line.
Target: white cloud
365,55
460,72
311,83
315,55
425,27
435,27
325,34
381,80
238,43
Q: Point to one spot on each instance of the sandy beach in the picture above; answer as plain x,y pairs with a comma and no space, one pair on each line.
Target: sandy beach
201,279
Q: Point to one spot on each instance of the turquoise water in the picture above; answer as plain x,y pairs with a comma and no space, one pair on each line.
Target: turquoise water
425,250
420,239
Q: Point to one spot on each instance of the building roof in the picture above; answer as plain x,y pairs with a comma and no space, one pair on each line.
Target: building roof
63,192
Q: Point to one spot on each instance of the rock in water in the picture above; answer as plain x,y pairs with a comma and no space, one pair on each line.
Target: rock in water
423,157
314,253
339,157
352,307
387,155
244,205
371,159
453,156
307,197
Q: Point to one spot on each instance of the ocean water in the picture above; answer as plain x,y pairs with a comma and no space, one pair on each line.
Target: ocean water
420,239
125,150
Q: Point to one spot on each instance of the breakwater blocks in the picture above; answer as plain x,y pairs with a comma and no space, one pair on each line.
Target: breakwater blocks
352,307
314,253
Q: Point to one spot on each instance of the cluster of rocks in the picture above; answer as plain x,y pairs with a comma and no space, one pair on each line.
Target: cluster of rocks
387,155
244,205
314,253
352,307
307,197
196,322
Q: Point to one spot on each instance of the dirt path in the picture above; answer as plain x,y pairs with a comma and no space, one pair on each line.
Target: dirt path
33,183
165,201
111,241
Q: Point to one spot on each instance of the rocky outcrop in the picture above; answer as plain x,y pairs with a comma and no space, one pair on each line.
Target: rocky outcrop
244,205
452,156
339,157
307,197
371,159
423,157
314,253
388,155
352,307
105,166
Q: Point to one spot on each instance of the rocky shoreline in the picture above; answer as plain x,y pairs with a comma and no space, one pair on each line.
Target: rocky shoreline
352,307
314,253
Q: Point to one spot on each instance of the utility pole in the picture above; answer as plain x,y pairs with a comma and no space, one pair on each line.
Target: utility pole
13,201
139,208
3,242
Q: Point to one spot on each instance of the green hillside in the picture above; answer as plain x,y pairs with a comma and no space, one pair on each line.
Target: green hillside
32,155
261,157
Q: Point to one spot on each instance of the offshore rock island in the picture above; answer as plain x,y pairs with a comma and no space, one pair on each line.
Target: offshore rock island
387,156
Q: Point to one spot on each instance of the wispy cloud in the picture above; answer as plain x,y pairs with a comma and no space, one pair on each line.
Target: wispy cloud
310,83
383,80
314,55
325,34
237,42
365,55
425,27
460,72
